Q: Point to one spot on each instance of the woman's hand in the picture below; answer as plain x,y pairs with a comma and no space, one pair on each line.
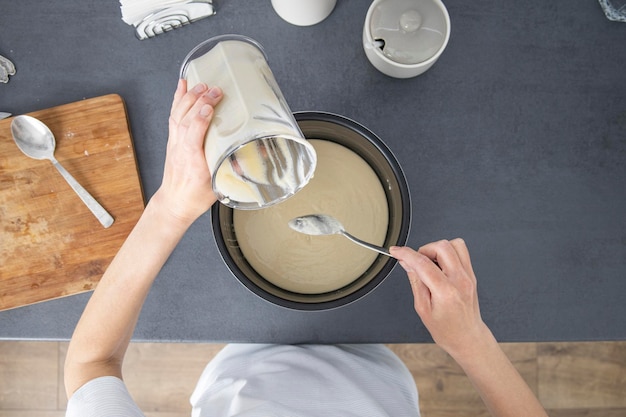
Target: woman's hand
186,191
444,289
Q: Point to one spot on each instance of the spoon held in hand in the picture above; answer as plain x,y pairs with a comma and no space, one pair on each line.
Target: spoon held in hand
322,224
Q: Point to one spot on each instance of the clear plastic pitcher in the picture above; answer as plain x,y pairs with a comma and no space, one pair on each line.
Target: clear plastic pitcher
255,150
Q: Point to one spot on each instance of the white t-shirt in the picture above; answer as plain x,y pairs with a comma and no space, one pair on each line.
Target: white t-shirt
246,380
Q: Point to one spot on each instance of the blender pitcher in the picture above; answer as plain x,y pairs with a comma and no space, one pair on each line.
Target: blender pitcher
255,150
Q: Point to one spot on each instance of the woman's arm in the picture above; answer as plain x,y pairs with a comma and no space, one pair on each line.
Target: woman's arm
105,328
446,299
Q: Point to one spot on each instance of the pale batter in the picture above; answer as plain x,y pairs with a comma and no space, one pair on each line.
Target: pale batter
345,187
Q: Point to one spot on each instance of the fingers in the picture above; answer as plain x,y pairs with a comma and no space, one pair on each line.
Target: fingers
421,295
444,253
423,268
202,106
185,100
422,273
198,126
182,103
461,249
191,114
181,89
435,258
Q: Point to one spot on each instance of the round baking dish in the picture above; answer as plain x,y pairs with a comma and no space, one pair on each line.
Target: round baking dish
359,139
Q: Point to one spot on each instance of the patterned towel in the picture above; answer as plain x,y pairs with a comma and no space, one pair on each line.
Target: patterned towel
153,17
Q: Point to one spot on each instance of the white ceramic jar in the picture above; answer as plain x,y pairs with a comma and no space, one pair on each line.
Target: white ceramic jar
303,12
404,38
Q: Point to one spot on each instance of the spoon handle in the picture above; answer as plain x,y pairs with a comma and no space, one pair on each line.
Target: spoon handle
366,244
101,214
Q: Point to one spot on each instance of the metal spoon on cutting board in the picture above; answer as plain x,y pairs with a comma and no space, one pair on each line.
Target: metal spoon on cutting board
323,224
36,140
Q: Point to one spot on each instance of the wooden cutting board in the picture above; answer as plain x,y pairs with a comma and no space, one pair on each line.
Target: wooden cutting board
50,244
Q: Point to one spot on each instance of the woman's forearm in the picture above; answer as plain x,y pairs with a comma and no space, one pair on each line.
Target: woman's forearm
107,324
104,330
503,390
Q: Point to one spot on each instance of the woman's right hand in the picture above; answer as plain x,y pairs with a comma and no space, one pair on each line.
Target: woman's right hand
186,190
444,290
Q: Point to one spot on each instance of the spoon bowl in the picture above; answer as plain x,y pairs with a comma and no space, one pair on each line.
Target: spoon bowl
36,140
323,224
33,137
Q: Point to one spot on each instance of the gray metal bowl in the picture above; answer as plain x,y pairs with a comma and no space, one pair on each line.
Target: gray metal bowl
346,132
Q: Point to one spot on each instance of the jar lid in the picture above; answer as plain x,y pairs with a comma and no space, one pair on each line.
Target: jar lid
409,31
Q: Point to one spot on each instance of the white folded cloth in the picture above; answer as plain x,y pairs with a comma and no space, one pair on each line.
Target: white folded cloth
6,68
153,17
614,9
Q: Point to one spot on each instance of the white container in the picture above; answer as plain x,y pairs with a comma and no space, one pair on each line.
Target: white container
255,150
303,12
404,38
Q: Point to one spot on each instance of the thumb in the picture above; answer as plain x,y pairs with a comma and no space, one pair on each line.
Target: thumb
421,292
421,295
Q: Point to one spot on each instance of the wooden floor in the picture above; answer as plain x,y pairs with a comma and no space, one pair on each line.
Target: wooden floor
570,379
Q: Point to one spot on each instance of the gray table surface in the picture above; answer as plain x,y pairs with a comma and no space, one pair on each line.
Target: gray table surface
514,140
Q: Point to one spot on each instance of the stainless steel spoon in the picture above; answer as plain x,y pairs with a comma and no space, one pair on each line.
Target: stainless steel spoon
323,224
37,141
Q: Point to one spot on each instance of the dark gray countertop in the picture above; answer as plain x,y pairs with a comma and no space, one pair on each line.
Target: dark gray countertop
515,140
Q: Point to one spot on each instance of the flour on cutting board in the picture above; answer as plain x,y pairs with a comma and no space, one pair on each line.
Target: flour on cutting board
120,150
